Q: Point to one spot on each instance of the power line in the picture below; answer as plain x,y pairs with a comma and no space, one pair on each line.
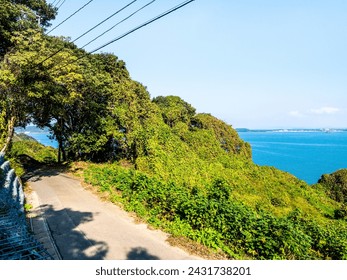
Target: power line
57,3
126,6
131,31
144,24
95,26
108,30
61,4
70,16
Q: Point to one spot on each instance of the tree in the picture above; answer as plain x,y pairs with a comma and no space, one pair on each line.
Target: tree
174,110
336,185
16,87
132,114
226,135
17,16
29,89
44,12
19,28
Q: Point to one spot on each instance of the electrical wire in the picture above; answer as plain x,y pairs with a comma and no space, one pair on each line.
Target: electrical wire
108,30
57,3
95,26
144,24
115,13
74,13
61,4
131,31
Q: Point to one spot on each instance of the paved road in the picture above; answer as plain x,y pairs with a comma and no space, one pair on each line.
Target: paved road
83,227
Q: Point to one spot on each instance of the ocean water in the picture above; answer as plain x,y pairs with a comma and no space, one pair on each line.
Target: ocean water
307,154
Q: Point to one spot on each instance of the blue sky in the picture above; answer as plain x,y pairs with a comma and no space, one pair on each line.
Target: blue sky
251,63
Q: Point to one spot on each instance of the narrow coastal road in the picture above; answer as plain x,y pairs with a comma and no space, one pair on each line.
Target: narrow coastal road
84,228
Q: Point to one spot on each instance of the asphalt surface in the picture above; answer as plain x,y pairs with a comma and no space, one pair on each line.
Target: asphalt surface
85,228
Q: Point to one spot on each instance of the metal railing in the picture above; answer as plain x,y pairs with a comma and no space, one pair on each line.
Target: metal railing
16,241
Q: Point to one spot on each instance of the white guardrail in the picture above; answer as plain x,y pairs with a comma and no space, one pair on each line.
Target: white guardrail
16,241
11,187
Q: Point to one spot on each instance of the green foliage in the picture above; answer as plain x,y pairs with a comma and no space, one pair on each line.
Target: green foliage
335,185
226,135
19,15
28,207
174,110
216,219
30,147
133,118
341,213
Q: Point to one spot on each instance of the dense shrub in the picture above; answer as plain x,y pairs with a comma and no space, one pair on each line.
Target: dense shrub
336,185
35,150
216,219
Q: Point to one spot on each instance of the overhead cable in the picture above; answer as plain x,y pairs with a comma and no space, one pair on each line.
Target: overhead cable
85,33
144,24
131,31
106,19
74,13
108,30
61,4
56,4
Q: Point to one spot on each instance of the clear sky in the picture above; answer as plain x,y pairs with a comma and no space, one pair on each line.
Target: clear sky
251,63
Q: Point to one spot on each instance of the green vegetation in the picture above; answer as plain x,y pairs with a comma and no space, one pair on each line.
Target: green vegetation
26,151
336,185
24,145
28,207
187,173
214,216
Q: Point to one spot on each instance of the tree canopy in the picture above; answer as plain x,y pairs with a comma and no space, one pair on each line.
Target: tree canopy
92,107
336,185
19,15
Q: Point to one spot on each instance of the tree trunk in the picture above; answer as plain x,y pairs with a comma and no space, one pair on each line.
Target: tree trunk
63,153
59,152
10,133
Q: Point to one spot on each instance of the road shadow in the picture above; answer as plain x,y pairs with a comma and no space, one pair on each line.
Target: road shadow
140,253
35,170
70,241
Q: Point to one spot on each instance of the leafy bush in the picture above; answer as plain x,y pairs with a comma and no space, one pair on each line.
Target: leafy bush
213,217
34,150
336,185
341,213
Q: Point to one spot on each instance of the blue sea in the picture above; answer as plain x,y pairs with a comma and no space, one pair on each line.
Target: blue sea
307,154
